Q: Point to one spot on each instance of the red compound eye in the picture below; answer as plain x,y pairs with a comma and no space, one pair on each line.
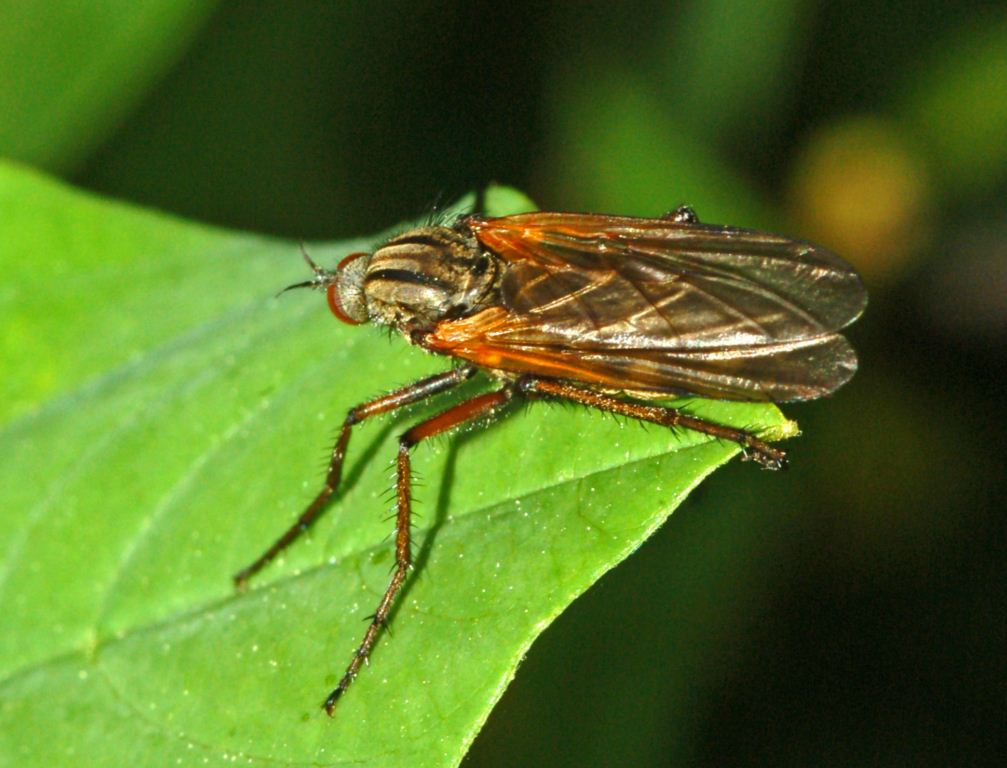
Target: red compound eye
332,292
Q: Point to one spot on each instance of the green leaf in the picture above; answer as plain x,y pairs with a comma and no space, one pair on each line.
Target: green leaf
166,416
70,70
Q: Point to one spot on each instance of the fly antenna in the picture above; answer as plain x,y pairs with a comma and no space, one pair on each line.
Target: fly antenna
320,273
305,284
321,278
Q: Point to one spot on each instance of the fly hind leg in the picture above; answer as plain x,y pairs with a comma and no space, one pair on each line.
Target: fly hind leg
754,448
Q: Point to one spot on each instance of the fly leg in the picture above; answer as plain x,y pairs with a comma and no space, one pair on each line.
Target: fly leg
754,448
475,408
415,392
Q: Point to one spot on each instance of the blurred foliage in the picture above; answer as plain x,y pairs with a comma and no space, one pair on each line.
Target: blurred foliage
71,71
958,104
859,187
851,611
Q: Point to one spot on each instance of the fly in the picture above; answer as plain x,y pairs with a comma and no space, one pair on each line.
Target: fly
611,312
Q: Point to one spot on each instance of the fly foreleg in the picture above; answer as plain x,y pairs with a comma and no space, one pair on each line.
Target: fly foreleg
414,393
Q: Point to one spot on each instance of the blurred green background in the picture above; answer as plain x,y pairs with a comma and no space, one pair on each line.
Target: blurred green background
848,612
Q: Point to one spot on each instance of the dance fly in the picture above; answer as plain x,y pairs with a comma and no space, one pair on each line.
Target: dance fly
611,312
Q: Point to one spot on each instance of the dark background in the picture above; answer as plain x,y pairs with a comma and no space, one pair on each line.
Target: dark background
849,611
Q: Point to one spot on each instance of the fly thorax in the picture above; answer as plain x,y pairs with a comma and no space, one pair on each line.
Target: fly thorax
429,274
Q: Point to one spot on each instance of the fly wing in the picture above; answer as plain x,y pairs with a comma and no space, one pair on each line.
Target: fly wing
653,305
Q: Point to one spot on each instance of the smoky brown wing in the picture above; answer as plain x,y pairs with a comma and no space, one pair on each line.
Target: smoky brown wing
782,372
654,283
651,305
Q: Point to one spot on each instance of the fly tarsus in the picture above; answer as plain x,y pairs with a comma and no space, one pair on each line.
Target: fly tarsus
763,453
